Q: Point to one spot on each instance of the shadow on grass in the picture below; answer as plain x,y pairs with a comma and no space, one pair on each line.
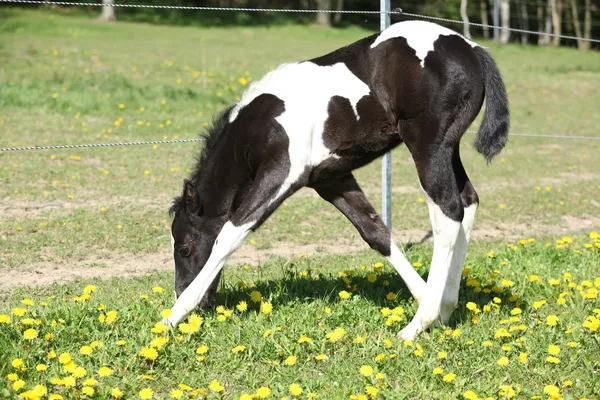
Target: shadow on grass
294,288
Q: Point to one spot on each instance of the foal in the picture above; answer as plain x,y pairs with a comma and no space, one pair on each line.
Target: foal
311,123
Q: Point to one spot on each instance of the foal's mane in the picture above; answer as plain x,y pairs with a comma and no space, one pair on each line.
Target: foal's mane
212,133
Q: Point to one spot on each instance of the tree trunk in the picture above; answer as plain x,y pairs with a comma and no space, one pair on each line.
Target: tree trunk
576,24
505,17
323,18
108,12
524,18
465,18
548,25
337,18
587,26
556,21
484,18
540,18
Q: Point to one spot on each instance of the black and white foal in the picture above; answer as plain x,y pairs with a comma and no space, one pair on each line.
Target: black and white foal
311,123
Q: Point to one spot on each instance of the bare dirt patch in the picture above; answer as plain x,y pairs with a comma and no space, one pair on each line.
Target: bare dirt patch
129,265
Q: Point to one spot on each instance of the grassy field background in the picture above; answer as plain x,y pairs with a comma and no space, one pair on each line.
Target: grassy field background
97,213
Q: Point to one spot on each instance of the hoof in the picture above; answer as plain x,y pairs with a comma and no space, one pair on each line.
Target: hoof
410,332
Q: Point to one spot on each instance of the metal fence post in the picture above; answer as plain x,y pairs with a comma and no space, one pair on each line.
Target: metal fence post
496,21
386,164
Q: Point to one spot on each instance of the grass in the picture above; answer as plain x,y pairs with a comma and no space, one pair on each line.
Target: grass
518,301
65,79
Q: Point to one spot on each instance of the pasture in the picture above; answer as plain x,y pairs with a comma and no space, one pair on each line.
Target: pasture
322,313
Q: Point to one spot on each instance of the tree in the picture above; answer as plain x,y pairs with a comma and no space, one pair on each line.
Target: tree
556,21
323,18
108,12
545,40
484,18
505,17
465,18
524,21
337,17
581,44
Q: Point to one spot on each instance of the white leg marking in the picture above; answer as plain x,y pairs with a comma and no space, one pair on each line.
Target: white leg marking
174,266
414,282
445,234
450,297
227,241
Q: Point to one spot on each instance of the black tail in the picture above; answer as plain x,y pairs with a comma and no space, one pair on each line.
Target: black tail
493,132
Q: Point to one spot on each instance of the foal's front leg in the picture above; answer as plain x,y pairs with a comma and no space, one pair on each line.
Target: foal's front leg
345,194
262,199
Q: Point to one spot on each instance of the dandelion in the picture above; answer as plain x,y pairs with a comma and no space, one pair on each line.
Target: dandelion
470,395
88,391
449,377
266,308
116,393
551,390
176,394
202,349
344,295
366,370
18,384
238,349
304,339
291,360
295,389
4,319
553,360
86,350
146,393
553,349
552,320
335,335
149,353
242,306
391,296
256,296
215,386
371,390
442,354
522,358
263,392
41,367
503,361
438,371
30,334
321,357
104,371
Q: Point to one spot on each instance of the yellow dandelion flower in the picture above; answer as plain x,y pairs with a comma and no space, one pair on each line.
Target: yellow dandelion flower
295,389
242,306
438,371
86,350
4,319
215,386
104,371
503,361
176,394
266,308
203,349
321,357
116,393
18,384
551,390
442,354
291,360
304,339
256,296
64,358
552,320
238,349
263,392
146,393
553,360
30,334
41,367
89,391
553,349
344,295
366,370
149,353
449,377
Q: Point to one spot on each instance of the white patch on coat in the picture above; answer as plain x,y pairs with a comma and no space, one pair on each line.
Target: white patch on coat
229,238
420,35
174,266
306,89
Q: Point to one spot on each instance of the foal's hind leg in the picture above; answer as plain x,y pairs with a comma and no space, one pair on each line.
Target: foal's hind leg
446,212
470,200
346,196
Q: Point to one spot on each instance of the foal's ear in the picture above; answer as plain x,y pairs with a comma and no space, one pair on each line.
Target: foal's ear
190,195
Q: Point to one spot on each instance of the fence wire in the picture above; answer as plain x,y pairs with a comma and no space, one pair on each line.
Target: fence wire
396,11
139,143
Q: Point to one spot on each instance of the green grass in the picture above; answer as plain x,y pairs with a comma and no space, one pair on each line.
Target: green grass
63,80
304,293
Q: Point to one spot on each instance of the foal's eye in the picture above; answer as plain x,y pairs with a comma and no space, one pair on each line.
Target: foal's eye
184,251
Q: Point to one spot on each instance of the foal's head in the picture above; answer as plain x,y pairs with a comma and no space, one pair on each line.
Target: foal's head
193,234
